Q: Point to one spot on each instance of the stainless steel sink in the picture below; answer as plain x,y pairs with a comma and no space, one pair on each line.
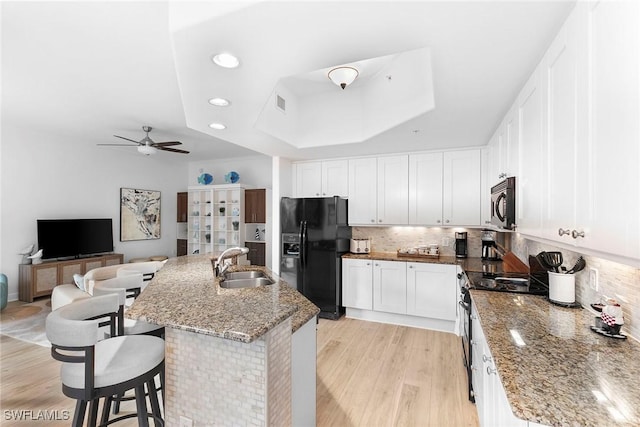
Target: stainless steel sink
243,275
245,283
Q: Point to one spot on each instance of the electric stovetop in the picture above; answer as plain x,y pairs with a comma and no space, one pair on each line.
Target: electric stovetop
536,284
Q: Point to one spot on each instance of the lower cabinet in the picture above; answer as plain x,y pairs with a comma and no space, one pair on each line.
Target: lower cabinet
412,289
256,253
432,290
491,399
390,286
357,280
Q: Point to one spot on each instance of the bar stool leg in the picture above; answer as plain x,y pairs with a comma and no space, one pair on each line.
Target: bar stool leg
141,406
155,405
93,413
105,410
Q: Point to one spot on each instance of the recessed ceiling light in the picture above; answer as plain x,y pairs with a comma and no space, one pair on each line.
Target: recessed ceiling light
219,102
226,60
217,126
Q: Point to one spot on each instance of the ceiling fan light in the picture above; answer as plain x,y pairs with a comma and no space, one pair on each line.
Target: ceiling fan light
343,76
217,126
219,102
147,150
226,60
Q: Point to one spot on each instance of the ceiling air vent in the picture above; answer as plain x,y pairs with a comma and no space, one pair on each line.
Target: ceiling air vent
280,103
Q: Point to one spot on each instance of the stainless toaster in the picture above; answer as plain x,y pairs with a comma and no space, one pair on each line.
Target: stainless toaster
360,246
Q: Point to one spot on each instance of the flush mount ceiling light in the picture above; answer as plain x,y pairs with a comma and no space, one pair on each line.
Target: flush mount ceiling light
219,102
146,150
343,76
226,60
217,126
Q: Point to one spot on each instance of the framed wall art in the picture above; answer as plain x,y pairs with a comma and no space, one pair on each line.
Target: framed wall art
139,214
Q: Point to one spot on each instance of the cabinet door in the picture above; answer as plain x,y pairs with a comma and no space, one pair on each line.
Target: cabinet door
68,269
335,181
461,188
530,124
182,207
255,206
45,278
362,191
393,190
256,255
357,285
477,366
561,77
425,189
432,290
390,286
610,210
308,179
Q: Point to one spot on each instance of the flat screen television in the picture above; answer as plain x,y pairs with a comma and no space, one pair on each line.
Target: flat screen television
74,238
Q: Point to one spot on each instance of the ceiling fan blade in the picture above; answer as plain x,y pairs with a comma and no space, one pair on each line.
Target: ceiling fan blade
122,137
117,145
166,144
173,150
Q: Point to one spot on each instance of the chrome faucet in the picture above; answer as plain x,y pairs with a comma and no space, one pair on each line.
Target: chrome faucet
220,266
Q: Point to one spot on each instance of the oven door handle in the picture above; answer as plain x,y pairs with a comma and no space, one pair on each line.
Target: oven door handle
464,305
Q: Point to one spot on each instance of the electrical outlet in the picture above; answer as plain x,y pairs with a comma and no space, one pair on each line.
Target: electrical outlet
185,422
446,241
593,279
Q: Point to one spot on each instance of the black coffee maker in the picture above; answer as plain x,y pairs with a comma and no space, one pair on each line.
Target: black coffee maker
489,247
461,244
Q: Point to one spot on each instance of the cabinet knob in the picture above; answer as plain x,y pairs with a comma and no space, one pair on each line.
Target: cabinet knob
438,221
317,194
368,263
575,234
324,194
447,221
373,220
490,370
487,222
485,358
562,232
411,266
379,220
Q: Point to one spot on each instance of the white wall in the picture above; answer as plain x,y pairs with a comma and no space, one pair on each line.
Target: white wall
254,171
45,176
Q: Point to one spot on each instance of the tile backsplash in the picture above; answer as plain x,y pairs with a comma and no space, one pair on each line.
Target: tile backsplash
618,281
390,239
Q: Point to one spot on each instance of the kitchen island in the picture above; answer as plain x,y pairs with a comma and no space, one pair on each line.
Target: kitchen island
229,352
561,372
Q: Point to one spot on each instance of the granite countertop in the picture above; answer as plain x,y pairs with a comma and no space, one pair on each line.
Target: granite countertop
566,374
185,295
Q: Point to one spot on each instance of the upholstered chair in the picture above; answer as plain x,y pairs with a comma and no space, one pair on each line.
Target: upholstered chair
93,370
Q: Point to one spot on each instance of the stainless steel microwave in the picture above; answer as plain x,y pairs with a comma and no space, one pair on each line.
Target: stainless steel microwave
503,204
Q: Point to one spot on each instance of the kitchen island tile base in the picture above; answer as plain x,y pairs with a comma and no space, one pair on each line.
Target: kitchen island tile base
216,381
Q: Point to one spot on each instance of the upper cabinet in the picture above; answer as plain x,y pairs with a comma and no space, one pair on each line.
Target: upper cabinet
321,179
255,210
378,191
504,149
444,188
578,132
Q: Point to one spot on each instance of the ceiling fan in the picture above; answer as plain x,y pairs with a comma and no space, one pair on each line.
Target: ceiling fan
147,146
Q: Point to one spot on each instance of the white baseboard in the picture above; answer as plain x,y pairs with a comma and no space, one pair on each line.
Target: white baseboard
402,319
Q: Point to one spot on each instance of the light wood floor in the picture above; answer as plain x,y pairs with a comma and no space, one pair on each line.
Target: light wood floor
372,374
369,374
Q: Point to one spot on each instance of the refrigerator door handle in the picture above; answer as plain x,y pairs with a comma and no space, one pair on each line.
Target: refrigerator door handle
303,231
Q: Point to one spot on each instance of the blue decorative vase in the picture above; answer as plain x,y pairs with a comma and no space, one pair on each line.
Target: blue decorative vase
4,291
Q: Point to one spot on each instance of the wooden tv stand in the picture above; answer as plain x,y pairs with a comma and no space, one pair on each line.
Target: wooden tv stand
38,280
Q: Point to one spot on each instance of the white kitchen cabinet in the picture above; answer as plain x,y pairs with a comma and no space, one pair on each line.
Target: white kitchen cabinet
335,178
357,283
326,178
390,286
378,190
531,136
485,186
566,112
609,205
432,290
444,188
491,400
425,189
461,188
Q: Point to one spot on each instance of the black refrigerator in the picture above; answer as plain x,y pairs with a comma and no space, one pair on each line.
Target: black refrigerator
315,234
